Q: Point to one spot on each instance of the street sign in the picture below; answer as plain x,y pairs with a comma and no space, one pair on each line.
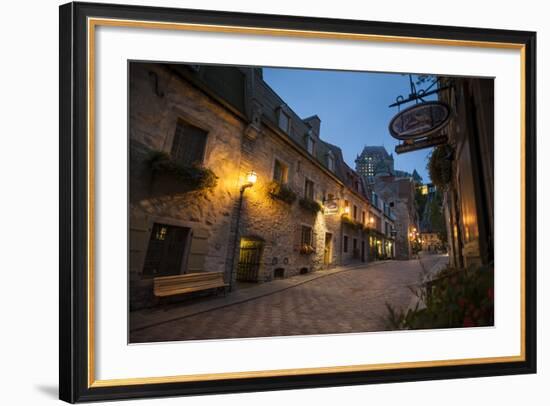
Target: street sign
421,144
420,120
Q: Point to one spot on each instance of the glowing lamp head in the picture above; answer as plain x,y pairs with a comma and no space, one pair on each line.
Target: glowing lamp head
251,177
346,210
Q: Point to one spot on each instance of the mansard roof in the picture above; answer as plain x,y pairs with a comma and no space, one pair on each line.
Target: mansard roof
246,92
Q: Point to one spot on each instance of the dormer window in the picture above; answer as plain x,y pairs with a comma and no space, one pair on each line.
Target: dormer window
330,161
284,121
310,144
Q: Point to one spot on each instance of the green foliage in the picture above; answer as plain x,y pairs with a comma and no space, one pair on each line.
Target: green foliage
440,166
455,298
310,205
195,177
282,192
352,223
437,219
416,246
420,201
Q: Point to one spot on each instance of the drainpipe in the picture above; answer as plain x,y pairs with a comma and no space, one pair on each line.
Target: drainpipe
236,239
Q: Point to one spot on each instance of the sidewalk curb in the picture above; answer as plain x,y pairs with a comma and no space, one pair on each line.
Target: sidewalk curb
318,275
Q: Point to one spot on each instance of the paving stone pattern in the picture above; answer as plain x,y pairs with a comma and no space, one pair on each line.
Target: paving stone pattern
351,301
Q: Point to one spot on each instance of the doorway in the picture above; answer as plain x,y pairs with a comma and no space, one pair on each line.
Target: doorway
363,251
327,258
250,255
167,250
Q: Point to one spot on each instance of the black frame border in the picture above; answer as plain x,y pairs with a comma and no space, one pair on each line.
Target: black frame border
73,330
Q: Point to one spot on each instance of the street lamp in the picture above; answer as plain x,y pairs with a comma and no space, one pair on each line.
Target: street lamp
251,178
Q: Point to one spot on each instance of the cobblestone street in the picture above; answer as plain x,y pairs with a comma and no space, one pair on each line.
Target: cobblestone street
349,301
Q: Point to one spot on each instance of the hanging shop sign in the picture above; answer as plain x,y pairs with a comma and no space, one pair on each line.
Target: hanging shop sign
420,120
330,207
428,142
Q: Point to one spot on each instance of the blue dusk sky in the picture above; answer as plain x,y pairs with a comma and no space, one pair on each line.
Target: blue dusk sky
352,106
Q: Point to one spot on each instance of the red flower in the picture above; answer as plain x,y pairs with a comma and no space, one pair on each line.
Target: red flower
468,322
490,294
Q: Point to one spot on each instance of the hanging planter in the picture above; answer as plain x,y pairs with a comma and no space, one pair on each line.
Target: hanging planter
310,205
352,223
307,249
440,166
281,192
182,178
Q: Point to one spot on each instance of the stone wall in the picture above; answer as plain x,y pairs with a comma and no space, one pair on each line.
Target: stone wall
278,223
236,144
152,124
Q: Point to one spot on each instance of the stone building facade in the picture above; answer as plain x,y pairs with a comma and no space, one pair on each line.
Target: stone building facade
469,196
399,192
212,127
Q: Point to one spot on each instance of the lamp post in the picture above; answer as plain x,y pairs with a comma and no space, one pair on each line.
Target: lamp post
251,178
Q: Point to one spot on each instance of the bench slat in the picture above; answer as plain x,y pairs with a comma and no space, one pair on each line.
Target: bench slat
187,290
186,283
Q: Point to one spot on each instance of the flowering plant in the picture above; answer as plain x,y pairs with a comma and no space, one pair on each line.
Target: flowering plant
307,249
454,298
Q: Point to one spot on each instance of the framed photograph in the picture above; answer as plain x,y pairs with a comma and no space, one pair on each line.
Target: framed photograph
257,202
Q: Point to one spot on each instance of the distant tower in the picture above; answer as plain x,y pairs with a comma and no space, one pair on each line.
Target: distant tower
373,160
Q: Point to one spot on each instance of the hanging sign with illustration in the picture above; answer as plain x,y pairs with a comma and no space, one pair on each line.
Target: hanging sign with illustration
330,207
420,120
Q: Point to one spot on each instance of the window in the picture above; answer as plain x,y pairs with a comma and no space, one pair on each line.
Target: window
307,236
310,144
330,162
354,212
363,217
167,250
284,121
345,243
309,190
280,172
189,144
355,244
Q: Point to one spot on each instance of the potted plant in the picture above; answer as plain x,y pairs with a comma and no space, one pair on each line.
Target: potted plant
307,249
178,178
281,192
310,205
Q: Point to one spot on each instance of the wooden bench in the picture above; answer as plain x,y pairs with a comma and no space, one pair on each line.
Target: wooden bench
192,282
